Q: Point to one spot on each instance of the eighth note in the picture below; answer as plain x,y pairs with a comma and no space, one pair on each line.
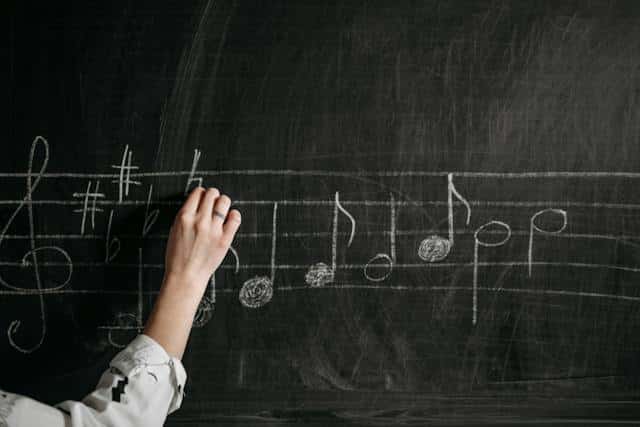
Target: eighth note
320,274
435,248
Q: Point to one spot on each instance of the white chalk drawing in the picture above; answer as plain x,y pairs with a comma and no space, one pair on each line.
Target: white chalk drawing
258,290
30,258
476,245
89,209
389,260
126,323
39,261
123,179
192,178
320,274
150,216
435,248
535,228
111,245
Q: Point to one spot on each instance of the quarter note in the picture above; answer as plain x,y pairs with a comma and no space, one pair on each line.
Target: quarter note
258,290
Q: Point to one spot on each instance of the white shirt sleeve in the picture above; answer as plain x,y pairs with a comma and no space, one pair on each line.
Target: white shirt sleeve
141,387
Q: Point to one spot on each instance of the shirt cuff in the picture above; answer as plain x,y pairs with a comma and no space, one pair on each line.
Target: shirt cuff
144,352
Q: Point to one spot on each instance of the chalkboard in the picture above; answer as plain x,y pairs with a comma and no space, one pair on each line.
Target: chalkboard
440,204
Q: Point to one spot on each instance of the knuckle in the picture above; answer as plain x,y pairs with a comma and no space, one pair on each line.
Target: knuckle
224,241
203,223
183,218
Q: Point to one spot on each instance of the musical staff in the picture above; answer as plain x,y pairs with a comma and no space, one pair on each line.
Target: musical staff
521,233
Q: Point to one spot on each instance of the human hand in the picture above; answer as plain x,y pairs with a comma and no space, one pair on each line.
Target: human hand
200,237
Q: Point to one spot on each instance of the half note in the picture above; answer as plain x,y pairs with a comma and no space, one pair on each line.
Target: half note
478,243
533,228
388,259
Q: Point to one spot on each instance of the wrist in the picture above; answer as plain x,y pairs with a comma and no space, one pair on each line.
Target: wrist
185,282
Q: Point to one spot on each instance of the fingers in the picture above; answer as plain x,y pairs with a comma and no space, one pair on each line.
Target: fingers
209,199
209,204
221,208
231,225
193,201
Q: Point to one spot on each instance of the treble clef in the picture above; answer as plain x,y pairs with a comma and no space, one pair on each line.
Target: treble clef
30,258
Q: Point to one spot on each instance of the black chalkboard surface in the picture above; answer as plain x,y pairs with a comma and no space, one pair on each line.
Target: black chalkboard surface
440,204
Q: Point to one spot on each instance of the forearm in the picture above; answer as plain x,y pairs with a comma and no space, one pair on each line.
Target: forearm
171,320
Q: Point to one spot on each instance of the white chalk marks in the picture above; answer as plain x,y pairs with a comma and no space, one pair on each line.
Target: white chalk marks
89,209
321,274
533,228
127,323
258,290
435,248
383,260
124,180
192,178
33,271
486,244
112,245
30,258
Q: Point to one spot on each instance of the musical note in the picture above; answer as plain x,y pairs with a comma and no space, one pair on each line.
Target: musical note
128,321
436,248
390,260
476,245
533,228
320,274
27,200
258,290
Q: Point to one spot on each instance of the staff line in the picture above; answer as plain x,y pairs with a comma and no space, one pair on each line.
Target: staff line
342,266
543,292
324,173
417,203
285,234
